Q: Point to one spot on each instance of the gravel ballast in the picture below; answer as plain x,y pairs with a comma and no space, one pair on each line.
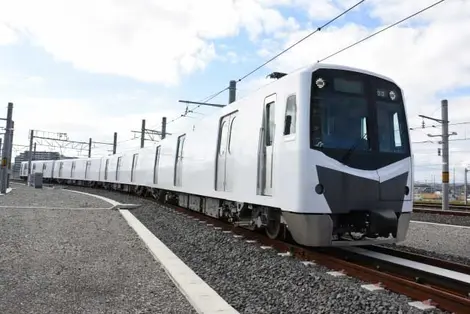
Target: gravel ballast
79,261
442,219
254,280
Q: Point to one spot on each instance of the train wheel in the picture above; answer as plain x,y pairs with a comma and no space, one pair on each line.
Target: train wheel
273,227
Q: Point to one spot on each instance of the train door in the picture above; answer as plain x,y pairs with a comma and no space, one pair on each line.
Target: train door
224,159
266,145
179,161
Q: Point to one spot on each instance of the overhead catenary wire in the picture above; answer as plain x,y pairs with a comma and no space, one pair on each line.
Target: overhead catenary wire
301,40
271,59
382,30
327,57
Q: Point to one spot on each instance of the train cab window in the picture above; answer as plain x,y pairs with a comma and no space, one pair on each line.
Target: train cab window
390,121
364,128
43,168
397,131
291,114
155,166
34,167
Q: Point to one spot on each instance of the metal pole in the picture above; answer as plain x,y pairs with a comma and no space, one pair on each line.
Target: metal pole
34,151
89,147
232,91
445,155
465,185
163,127
142,134
10,154
7,142
114,143
30,157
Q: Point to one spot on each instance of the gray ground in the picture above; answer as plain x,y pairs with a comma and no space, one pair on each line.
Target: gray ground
74,261
22,195
253,280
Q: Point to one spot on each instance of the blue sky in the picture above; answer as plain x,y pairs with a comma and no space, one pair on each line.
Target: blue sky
88,71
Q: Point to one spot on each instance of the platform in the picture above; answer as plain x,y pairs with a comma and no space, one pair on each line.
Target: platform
64,252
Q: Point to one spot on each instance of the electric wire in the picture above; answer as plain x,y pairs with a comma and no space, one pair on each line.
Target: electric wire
382,30
318,29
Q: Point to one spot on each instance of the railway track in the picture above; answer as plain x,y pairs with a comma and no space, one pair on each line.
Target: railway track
436,208
444,284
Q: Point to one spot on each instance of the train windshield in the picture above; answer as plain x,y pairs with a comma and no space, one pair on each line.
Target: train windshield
357,113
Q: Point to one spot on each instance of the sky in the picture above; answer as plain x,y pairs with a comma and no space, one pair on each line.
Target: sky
91,68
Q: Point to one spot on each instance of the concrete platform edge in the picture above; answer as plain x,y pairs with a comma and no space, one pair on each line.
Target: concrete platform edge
200,295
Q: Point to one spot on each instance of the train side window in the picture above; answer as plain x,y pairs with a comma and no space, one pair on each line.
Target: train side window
230,135
155,166
291,115
87,168
118,167
72,169
135,159
270,124
106,169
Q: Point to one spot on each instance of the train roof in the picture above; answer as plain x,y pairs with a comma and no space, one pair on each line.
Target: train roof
312,67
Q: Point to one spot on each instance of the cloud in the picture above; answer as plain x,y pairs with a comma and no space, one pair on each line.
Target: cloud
151,41
427,56
7,35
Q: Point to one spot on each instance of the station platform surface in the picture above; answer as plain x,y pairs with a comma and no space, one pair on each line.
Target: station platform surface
64,252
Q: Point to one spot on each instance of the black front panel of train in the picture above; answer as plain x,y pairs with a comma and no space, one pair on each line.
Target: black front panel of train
346,193
357,119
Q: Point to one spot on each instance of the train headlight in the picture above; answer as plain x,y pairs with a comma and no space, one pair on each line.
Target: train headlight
392,95
320,82
319,188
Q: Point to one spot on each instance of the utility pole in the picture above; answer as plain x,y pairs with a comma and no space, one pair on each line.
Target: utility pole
453,181
142,134
34,151
465,185
114,143
445,150
232,91
89,147
10,154
30,156
7,143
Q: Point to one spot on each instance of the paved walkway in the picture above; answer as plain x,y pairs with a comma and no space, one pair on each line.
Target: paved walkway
87,260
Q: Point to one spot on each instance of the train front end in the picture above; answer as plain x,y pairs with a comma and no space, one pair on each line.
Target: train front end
358,180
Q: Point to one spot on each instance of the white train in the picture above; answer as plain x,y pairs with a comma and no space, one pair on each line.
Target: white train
322,153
